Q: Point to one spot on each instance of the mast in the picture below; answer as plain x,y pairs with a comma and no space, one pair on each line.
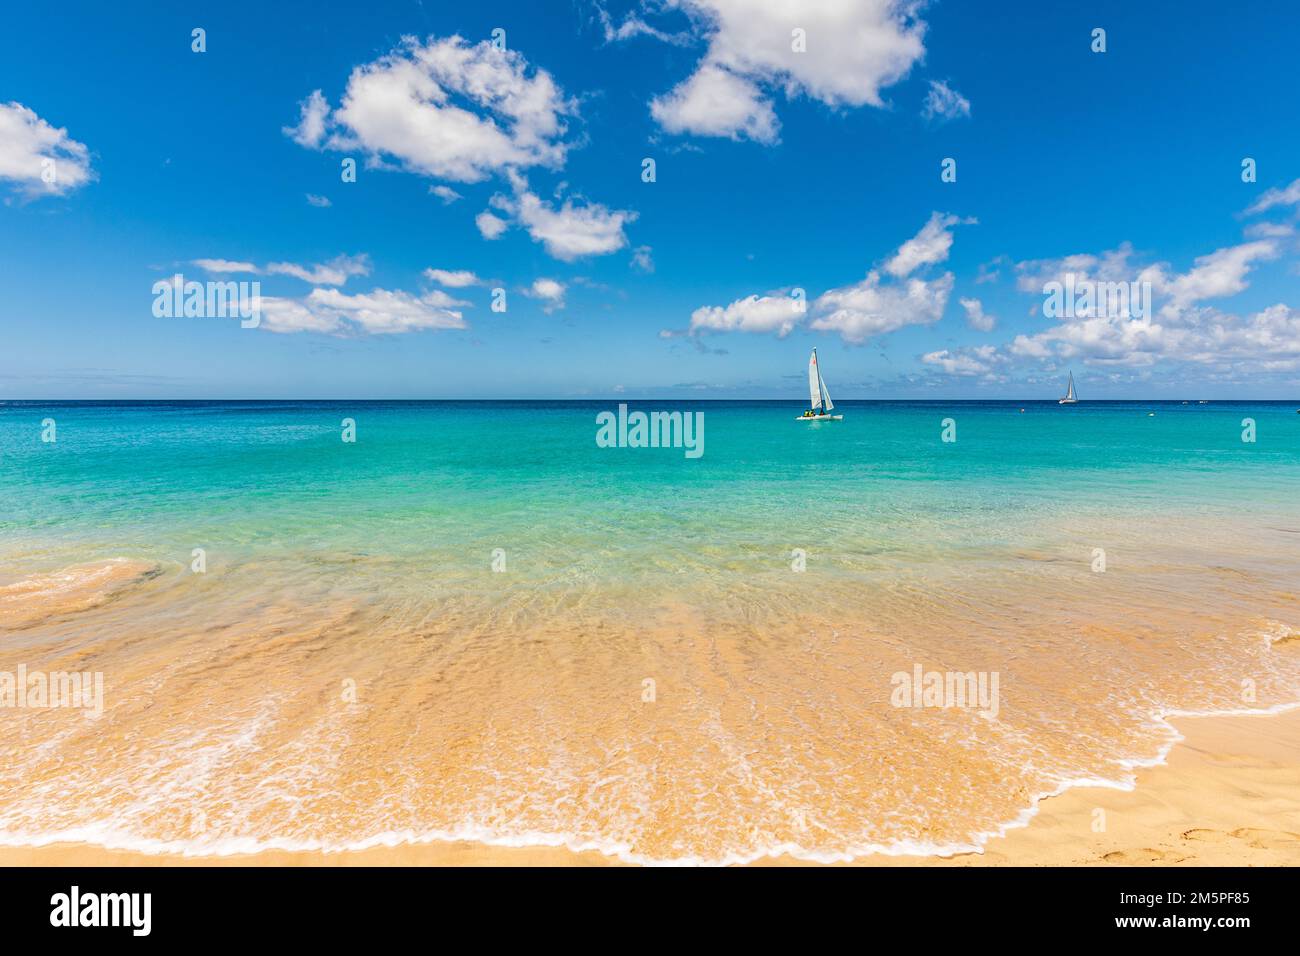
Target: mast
821,387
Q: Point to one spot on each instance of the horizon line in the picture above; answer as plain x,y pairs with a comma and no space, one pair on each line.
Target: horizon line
625,399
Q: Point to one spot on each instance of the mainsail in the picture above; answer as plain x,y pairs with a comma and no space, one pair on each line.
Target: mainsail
814,382
819,397
1070,392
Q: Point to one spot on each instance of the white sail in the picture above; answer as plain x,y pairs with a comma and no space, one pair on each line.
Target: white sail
1070,392
814,381
826,395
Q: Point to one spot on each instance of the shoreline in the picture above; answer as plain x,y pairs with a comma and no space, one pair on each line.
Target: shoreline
1226,794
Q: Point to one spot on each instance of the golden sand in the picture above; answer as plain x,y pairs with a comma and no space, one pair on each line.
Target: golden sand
310,706
40,597
1229,795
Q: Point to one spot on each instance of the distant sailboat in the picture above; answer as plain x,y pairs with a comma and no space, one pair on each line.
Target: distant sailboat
820,398
1069,395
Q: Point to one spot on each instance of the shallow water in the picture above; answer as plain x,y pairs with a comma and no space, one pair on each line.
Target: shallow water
349,668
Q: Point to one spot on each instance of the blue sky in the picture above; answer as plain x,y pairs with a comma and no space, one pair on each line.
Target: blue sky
776,169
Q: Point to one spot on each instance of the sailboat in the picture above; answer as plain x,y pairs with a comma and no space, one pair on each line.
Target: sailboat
821,399
1069,394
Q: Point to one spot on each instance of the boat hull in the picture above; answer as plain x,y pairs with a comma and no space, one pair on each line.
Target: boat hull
820,418
1067,401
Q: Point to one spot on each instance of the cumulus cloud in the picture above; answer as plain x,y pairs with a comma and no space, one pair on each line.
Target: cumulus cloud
853,51
643,259
973,361
927,247
320,202
1218,275
335,272
490,226
1183,330
713,101
573,230
444,108
634,26
40,159
455,279
466,112
1270,230
226,265
944,103
768,313
1288,196
873,307
550,291
378,312
313,113
880,303
976,317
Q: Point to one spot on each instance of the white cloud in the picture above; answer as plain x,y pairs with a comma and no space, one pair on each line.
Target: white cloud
378,312
312,115
445,108
456,279
1218,275
550,291
1270,230
634,26
976,361
975,316
1290,196
877,305
1182,331
489,225
870,307
642,259
574,230
927,247
853,50
769,313
40,159
1113,265
713,101
945,103
226,265
320,202
335,272
294,315
464,113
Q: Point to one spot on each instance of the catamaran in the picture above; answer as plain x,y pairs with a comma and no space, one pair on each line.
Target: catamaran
1069,394
821,399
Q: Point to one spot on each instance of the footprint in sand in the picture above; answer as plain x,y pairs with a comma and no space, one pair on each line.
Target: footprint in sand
1140,857
1255,838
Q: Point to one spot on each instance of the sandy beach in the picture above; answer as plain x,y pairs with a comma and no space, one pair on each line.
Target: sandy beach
1227,795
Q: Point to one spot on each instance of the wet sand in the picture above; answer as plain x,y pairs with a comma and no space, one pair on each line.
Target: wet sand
1227,795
